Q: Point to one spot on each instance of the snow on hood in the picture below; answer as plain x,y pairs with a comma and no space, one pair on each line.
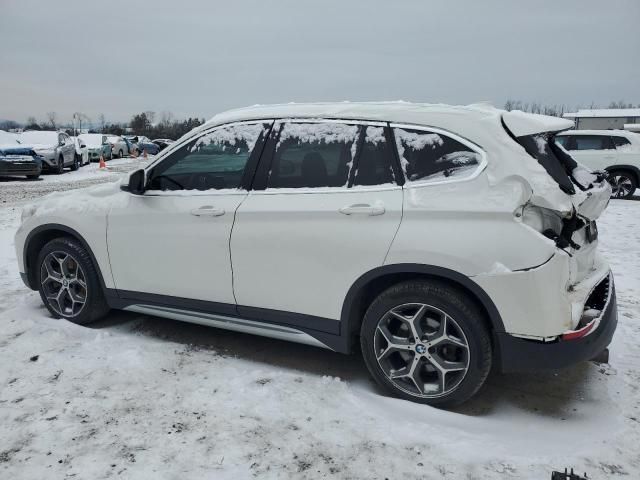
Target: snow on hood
39,139
90,200
521,123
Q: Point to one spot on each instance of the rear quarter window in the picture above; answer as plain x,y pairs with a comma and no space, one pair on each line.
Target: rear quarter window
432,157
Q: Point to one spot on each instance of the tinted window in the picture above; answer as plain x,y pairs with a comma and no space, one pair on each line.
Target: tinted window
374,162
563,141
591,142
621,142
215,160
313,155
433,156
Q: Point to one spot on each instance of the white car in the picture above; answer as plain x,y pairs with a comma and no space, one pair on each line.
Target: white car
98,146
118,146
56,149
446,240
82,151
616,151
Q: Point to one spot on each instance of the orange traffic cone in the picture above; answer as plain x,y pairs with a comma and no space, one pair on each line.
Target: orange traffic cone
102,163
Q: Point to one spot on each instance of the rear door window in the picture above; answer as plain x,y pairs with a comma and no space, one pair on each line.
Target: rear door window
432,156
592,142
313,155
374,161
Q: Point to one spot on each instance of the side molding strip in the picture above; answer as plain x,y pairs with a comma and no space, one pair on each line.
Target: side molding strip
229,323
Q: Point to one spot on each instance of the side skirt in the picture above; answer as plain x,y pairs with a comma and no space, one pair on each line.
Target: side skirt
289,326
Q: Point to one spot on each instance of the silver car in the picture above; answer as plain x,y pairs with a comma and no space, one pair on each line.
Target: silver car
57,149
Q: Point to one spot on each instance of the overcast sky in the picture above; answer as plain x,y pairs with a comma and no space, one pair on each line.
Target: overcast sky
202,57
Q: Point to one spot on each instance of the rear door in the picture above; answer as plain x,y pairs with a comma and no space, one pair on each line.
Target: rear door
324,209
173,241
596,152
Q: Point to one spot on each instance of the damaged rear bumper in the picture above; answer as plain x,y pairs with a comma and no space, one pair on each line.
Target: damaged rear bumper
519,354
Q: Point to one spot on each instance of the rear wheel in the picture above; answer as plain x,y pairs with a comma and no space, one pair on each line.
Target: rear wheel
68,282
60,165
623,184
76,163
427,342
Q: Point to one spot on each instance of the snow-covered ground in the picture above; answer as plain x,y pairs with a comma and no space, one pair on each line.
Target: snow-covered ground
142,397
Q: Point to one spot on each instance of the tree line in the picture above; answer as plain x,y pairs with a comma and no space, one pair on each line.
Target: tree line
558,110
140,124
169,127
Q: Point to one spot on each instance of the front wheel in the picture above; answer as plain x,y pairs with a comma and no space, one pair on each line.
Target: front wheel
623,184
427,342
68,282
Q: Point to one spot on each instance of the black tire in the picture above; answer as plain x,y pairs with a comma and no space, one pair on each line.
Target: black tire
623,184
466,317
120,154
76,163
60,165
95,305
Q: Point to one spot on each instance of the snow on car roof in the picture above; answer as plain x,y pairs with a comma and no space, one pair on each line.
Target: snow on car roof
471,120
604,112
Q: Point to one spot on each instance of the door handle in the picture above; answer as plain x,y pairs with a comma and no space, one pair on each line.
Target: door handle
207,211
363,209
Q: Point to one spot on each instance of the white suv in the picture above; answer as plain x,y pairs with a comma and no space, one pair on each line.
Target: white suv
447,240
616,151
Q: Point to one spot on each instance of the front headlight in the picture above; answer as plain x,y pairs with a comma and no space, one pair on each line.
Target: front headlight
27,212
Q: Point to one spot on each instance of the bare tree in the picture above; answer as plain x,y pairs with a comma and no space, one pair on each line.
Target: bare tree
102,121
51,119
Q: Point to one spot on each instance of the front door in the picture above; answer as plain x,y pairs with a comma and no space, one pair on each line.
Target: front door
324,210
173,240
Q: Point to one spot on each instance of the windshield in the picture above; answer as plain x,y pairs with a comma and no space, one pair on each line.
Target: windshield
39,138
114,139
92,139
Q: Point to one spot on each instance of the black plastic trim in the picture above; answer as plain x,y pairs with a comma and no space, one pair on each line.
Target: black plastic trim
631,168
56,226
325,330
349,324
522,355
396,164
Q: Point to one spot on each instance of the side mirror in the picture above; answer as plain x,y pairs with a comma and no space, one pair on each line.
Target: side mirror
83,145
135,184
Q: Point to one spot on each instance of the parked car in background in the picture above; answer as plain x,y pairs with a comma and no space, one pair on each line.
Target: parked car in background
98,146
163,143
130,146
56,149
143,143
82,151
16,159
446,241
119,146
616,151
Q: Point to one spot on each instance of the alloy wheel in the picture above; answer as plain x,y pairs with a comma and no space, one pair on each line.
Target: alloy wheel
421,350
64,283
621,185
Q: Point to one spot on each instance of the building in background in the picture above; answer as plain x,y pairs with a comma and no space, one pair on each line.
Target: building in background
606,119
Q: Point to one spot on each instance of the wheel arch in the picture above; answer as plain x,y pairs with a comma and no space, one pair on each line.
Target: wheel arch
629,168
368,286
39,237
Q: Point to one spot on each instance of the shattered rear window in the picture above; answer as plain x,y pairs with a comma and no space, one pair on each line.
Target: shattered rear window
557,163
